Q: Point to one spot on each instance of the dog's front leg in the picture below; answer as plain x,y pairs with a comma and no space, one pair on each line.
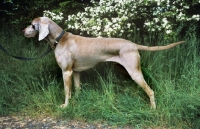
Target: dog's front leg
67,77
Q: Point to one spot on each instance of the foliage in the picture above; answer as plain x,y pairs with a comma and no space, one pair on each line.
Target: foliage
20,12
120,18
56,17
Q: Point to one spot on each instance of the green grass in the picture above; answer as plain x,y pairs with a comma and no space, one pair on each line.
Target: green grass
35,88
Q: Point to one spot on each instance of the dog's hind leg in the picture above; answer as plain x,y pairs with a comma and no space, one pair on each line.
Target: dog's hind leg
131,62
76,77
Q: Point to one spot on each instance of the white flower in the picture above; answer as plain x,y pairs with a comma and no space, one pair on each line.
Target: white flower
186,7
107,26
164,20
158,2
196,17
84,22
156,19
168,31
76,25
98,28
94,27
114,20
98,9
107,9
147,24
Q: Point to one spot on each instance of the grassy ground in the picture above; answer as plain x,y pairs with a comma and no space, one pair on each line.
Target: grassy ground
36,87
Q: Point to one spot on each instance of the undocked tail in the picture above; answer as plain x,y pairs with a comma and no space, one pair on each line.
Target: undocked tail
158,48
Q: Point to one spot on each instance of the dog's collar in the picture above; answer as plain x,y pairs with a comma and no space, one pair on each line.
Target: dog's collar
58,38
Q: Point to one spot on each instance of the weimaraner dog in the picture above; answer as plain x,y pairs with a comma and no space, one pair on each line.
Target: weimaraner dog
75,53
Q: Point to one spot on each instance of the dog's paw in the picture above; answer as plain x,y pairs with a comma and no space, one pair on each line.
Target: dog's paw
153,106
63,105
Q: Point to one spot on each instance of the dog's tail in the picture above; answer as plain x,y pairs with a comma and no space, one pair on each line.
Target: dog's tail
158,48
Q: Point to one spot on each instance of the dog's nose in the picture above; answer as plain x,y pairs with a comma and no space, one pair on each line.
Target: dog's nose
23,31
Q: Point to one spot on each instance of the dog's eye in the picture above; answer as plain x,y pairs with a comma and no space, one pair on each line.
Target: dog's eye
33,26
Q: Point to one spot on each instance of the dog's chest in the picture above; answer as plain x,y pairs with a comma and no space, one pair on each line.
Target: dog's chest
63,57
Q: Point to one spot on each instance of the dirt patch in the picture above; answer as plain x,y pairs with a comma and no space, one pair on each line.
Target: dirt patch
13,122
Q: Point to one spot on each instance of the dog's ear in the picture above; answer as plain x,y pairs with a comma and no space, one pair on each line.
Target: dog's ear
43,30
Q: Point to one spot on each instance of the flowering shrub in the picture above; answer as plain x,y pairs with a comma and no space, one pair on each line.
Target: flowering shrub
119,17
56,17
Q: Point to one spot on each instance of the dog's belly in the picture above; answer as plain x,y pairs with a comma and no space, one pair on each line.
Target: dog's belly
82,68
85,64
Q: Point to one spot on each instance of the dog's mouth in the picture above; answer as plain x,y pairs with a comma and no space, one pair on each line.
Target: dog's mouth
27,35
30,35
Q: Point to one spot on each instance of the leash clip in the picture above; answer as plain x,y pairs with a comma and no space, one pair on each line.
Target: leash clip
54,45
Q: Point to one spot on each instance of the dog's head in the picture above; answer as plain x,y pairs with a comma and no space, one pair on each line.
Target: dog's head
38,26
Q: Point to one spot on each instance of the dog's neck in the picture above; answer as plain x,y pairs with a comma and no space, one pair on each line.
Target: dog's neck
54,41
54,35
60,36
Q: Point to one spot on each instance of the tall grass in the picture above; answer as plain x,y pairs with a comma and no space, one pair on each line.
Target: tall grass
35,88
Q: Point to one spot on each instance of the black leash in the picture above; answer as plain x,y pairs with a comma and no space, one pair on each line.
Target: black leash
24,58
